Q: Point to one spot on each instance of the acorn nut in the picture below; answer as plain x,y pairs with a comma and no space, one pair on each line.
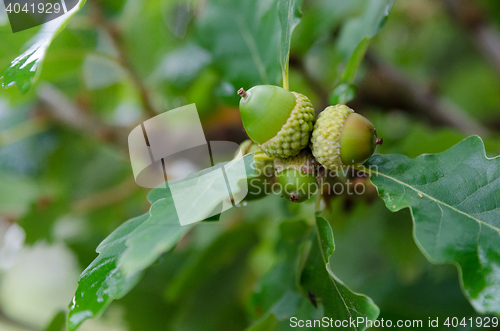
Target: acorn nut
342,138
297,176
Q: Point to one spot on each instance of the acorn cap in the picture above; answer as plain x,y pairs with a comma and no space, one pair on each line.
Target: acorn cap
304,162
295,134
341,138
325,140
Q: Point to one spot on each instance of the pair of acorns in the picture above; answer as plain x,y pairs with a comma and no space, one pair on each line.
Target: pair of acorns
283,125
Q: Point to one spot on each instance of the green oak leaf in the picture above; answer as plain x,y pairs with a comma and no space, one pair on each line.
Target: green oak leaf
301,284
243,38
138,243
277,295
366,26
289,15
223,251
58,322
354,40
282,278
355,60
156,236
24,69
318,280
102,281
454,198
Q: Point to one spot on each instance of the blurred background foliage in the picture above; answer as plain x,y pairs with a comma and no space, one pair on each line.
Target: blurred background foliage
430,78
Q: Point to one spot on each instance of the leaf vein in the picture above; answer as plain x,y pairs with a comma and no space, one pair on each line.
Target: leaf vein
438,201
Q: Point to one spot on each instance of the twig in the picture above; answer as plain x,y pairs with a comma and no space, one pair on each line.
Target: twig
317,202
385,86
58,107
124,60
26,129
484,35
113,195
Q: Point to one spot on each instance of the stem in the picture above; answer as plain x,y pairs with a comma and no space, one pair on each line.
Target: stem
242,93
59,108
124,60
285,80
285,76
107,197
317,203
22,131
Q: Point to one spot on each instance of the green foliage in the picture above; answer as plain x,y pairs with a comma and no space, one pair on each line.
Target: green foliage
453,198
102,281
268,260
25,68
365,26
289,16
137,244
278,296
353,44
301,284
339,302
58,323
244,40
39,219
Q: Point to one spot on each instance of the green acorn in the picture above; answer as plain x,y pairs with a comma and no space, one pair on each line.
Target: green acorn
297,176
279,121
342,138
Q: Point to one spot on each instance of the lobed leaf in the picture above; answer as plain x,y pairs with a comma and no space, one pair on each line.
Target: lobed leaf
102,281
302,285
135,245
339,302
454,198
